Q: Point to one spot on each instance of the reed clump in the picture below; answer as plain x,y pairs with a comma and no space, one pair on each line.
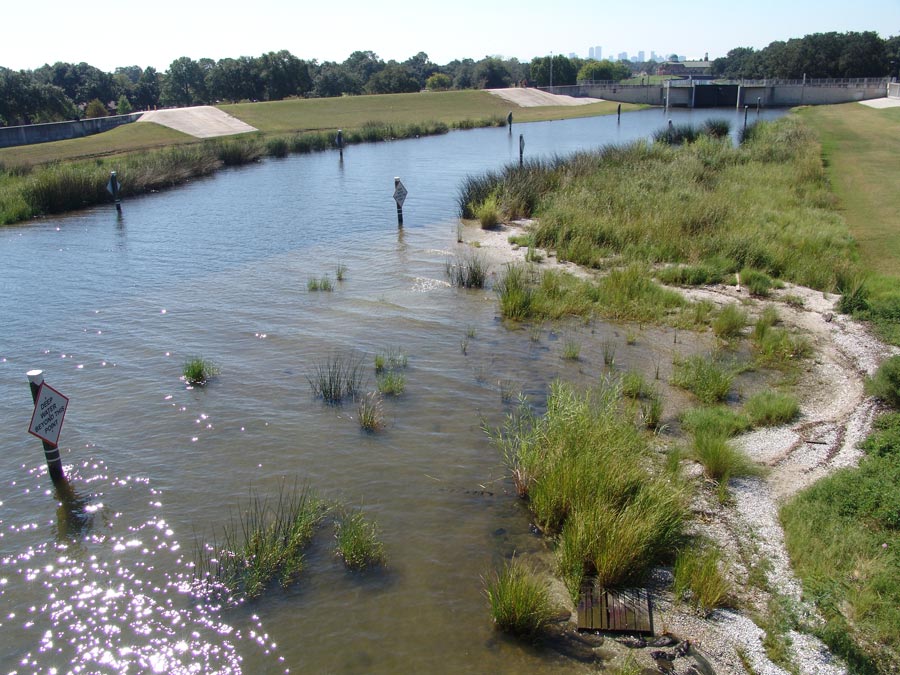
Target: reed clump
339,377
370,412
358,541
519,602
197,371
585,471
703,377
265,542
468,270
701,579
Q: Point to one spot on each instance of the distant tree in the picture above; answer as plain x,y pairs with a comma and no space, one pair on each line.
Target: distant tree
363,65
439,82
563,71
392,79
604,70
184,83
24,99
123,107
95,108
892,55
147,89
463,73
333,80
420,67
282,74
81,82
491,73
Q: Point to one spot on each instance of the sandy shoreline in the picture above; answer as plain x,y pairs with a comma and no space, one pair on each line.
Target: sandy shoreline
835,416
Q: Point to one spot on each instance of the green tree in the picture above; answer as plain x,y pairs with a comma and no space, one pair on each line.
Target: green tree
184,83
603,71
124,106
363,64
439,82
491,73
147,89
332,79
392,79
95,108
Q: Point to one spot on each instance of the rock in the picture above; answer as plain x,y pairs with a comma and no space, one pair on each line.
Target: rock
828,317
632,642
664,641
683,649
659,655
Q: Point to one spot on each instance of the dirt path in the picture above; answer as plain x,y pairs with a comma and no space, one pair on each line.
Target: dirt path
835,416
202,121
532,98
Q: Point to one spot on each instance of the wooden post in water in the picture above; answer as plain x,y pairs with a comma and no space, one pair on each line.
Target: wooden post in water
618,113
51,451
521,149
758,104
509,121
340,142
746,108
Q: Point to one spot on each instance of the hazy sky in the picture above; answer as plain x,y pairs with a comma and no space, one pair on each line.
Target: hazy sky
154,33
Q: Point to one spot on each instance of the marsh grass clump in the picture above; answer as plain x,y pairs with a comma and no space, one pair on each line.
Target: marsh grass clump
757,282
583,468
320,284
885,384
730,322
571,350
520,603
469,270
197,371
265,542
716,420
635,386
340,272
516,293
358,543
370,412
393,358
337,378
771,408
700,578
488,212
720,459
676,134
716,128
609,353
277,147
703,377
391,383
778,348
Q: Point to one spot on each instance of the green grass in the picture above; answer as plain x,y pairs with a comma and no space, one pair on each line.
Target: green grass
885,384
197,371
730,322
393,358
337,378
700,578
571,350
391,383
519,602
370,412
771,408
720,459
703,377
487,212
323,283
264,543
468,270
587,474
717,420
358,543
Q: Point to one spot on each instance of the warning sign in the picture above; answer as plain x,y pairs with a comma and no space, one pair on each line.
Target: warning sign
49,412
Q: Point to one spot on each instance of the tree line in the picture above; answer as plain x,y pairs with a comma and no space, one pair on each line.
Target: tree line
64,91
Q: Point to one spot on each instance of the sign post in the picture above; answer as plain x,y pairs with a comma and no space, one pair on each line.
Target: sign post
521,148
400,193
113,187
47,420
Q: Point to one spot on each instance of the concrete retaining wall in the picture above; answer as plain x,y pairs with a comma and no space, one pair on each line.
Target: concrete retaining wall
61,131
774,96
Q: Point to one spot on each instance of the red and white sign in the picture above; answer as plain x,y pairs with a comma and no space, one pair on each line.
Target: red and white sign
49,413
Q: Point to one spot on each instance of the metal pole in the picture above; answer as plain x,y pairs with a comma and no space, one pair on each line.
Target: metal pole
619,113
758,104
746,108
340,141
51,452
521,149
399,205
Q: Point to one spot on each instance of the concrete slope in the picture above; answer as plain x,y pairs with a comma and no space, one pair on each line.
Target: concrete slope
532,98
882,102
201,121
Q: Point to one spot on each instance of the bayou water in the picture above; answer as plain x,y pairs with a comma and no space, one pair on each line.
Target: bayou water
110,306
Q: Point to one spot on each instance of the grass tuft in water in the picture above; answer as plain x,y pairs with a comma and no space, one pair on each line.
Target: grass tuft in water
515,293
370,412
771,408
321,284
358,544
469,270
338,377
571,350
264,543
391,383
703,377
519,602
730,322
197,371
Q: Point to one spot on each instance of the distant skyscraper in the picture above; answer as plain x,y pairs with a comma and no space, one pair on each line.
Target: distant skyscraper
653,56
573,55
591,53
623,56
598,52
640,57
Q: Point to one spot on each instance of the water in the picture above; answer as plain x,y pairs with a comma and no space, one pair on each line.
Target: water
110,306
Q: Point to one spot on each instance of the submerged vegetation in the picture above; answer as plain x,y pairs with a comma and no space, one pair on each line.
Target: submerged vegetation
197,371
520,602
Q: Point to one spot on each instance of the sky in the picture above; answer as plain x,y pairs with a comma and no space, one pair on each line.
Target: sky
156,32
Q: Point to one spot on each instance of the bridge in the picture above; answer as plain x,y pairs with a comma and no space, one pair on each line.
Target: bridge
737,93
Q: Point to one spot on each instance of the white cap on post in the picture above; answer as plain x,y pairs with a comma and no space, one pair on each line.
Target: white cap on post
36,377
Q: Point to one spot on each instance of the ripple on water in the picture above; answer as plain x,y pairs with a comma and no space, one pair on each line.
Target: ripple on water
100,591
